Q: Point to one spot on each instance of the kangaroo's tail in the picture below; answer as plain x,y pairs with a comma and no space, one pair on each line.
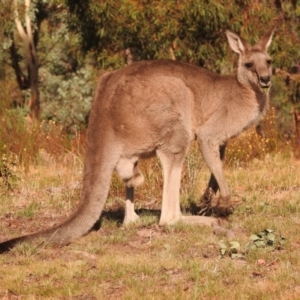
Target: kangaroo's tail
96,182
101,159
102,155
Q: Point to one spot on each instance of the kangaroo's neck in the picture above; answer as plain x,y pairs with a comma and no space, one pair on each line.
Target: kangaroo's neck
260,96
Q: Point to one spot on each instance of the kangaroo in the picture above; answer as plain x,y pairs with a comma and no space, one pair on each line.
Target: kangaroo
159,107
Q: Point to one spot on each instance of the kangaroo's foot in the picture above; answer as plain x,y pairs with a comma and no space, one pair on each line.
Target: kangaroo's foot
223,208
210,205
130,215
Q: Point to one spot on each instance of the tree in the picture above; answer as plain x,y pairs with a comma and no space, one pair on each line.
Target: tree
185,30
20,32
30,40
43,55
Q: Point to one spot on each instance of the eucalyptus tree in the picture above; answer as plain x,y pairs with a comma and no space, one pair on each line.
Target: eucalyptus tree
20,33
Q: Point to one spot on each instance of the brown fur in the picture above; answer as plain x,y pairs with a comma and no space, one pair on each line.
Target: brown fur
159,107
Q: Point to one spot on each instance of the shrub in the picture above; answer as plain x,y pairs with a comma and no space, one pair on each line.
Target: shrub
23,141
66,99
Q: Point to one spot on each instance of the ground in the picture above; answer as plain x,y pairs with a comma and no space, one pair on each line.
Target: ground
147,261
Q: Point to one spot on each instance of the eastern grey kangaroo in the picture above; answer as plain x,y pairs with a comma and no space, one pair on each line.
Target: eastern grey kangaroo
159,107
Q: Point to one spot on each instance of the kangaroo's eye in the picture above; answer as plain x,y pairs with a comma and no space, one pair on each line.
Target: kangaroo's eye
269,62
249,65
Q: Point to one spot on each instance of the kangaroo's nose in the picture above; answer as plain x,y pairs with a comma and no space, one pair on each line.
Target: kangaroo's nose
265,79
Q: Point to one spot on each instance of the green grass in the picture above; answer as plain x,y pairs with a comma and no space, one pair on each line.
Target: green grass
146,261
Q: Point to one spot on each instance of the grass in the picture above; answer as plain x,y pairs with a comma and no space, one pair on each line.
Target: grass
146,261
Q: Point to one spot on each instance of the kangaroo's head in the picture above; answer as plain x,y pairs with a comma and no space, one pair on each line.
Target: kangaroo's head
254,66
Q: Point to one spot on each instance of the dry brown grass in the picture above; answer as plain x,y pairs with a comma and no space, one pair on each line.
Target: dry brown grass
146,261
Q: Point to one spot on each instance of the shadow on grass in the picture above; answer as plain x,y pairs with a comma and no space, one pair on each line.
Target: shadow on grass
117,215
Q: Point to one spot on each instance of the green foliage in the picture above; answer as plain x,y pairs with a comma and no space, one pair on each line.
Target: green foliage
7,171
67,99
231,249
59,60
281,99
267,238
67,82
190,31
162,29
286,100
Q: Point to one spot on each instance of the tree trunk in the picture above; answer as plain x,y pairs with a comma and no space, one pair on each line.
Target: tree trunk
32,59
34,104
20,76
297,133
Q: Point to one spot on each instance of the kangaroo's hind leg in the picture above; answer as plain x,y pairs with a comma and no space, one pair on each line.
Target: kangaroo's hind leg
170,212
208,198
213,154
136,180
132,177
172,166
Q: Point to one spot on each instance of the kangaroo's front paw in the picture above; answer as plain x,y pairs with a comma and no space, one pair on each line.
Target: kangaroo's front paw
223,208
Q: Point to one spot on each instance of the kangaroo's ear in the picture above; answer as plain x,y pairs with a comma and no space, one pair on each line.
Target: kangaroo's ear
265,41
236,43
